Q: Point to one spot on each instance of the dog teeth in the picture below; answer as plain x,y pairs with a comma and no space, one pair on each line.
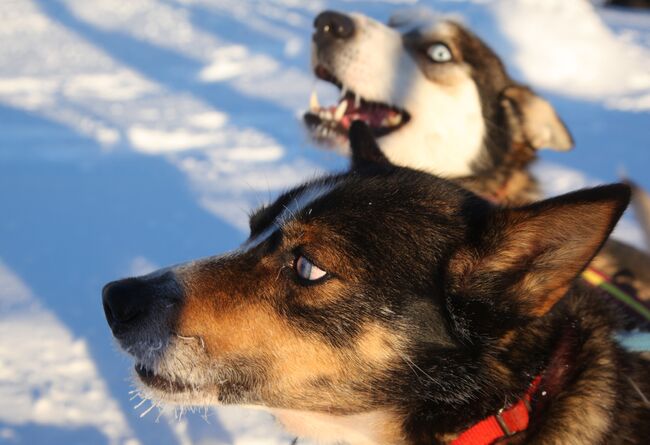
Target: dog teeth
357,101
344,91
395,119
340,110
313,102
325,114
391,121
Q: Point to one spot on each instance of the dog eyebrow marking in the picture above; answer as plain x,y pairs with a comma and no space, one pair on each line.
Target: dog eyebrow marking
259,239
300,202
291,212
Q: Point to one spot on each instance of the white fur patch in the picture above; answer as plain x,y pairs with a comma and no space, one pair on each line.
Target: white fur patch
446,131
290,211
372,428
302,201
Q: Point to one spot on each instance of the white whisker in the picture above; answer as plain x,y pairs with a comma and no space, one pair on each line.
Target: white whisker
205,416
145,412
199,338
141,403
161,411
413,367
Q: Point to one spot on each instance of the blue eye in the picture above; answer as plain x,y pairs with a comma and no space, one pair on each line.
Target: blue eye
307,270
439,53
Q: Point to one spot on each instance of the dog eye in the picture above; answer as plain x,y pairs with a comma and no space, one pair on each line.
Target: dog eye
439,53
307,270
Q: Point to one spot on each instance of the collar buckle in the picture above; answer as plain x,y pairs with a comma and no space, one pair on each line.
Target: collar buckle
507,422
502,423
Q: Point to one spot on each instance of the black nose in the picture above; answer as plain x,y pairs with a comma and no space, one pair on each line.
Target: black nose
127,303
332,25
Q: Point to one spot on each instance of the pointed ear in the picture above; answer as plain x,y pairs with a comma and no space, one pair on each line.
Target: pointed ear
533,121
526,259
364,146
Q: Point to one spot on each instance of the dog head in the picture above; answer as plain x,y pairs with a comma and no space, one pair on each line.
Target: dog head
375,290
435,95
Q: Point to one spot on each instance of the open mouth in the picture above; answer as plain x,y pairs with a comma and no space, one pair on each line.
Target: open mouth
156,381
333,122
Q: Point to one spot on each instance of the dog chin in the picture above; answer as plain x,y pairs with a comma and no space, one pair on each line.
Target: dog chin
160,382
174,367
172,391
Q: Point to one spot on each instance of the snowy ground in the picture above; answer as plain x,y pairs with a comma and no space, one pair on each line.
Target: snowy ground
138,134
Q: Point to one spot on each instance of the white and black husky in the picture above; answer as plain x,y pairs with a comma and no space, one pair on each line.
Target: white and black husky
436,97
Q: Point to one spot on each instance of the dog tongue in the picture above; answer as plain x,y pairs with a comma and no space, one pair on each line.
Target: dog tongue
373,115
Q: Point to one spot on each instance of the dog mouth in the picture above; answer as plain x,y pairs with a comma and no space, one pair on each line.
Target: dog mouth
156,381
331,123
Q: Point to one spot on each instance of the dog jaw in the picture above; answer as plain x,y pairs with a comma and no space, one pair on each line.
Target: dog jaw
175,369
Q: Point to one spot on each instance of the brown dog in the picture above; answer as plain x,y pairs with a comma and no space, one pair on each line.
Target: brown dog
387,306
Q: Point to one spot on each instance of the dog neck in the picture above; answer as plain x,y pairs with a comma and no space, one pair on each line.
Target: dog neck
371,428
386,427
518,417
507,183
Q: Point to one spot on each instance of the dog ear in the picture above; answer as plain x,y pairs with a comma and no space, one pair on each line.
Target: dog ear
524,260
364,147
533,121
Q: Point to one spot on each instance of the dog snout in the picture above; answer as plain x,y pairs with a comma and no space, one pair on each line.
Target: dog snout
129,302
332,25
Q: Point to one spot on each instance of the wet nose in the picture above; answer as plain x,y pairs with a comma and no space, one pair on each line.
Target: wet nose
123,303
128,302
332,25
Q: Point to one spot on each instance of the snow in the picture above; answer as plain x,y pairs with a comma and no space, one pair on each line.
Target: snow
589,59
139,134
47,376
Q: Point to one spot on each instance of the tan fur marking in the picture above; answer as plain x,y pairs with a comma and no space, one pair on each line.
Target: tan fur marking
379,345
301,360
294,359
255,329
230,330
508,338
447,438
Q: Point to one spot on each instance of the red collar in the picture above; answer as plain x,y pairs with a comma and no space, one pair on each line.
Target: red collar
504,423
516,418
